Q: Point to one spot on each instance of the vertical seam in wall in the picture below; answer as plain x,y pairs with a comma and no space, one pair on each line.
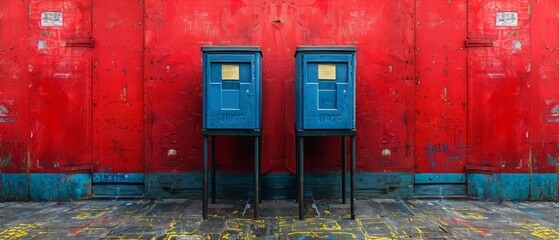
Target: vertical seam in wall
30,142
467,100
529,12
414,84
144,92
91,105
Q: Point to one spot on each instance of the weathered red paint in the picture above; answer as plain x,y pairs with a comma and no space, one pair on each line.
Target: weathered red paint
425,102
544,100
499,88
14,91
440,91
118,86
59,88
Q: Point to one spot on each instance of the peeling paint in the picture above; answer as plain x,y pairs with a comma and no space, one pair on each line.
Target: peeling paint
386,152
554,111
4,111
172,152
6,161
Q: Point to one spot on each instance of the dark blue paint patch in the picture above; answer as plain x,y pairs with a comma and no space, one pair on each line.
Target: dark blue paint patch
7,120
451,154
551,159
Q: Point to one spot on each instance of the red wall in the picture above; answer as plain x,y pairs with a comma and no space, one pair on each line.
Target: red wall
425,102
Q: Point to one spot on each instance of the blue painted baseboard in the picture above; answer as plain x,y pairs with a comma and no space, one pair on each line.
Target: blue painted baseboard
515,187
63,187
45,187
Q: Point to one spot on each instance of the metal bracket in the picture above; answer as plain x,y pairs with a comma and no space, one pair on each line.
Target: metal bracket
86,43
479,42
480,169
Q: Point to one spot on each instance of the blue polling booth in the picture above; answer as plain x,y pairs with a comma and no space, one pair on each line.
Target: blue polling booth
231,106
325,87
232,87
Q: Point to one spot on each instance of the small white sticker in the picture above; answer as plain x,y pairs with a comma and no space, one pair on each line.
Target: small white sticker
516,45
42,44
51,19
507,19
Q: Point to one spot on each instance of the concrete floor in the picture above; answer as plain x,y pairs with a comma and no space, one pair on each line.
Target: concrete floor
326,219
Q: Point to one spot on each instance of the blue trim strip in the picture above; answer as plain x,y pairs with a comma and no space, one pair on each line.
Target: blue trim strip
436,178
516,187
45,187
63,187
14,187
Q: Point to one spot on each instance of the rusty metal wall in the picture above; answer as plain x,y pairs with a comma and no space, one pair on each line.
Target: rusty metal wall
444,89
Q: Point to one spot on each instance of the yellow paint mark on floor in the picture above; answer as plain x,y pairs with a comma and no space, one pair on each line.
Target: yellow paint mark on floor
18,231
323,235
474,216
363,222
542,231
84,216
179,236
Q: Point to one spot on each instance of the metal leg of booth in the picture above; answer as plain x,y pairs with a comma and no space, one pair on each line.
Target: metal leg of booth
344,160
260,168
301,178
212,157
256,175
297,169
352,177
205,180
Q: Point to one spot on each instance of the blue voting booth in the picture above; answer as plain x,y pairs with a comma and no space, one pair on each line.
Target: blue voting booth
232,87
325,106
231,106
325,87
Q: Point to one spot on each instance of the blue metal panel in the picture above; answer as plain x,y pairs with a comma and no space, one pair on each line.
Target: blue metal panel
118,191
279,185
231,87
436,178
174,185
59,187
544,187
15,187
325,88
63,187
